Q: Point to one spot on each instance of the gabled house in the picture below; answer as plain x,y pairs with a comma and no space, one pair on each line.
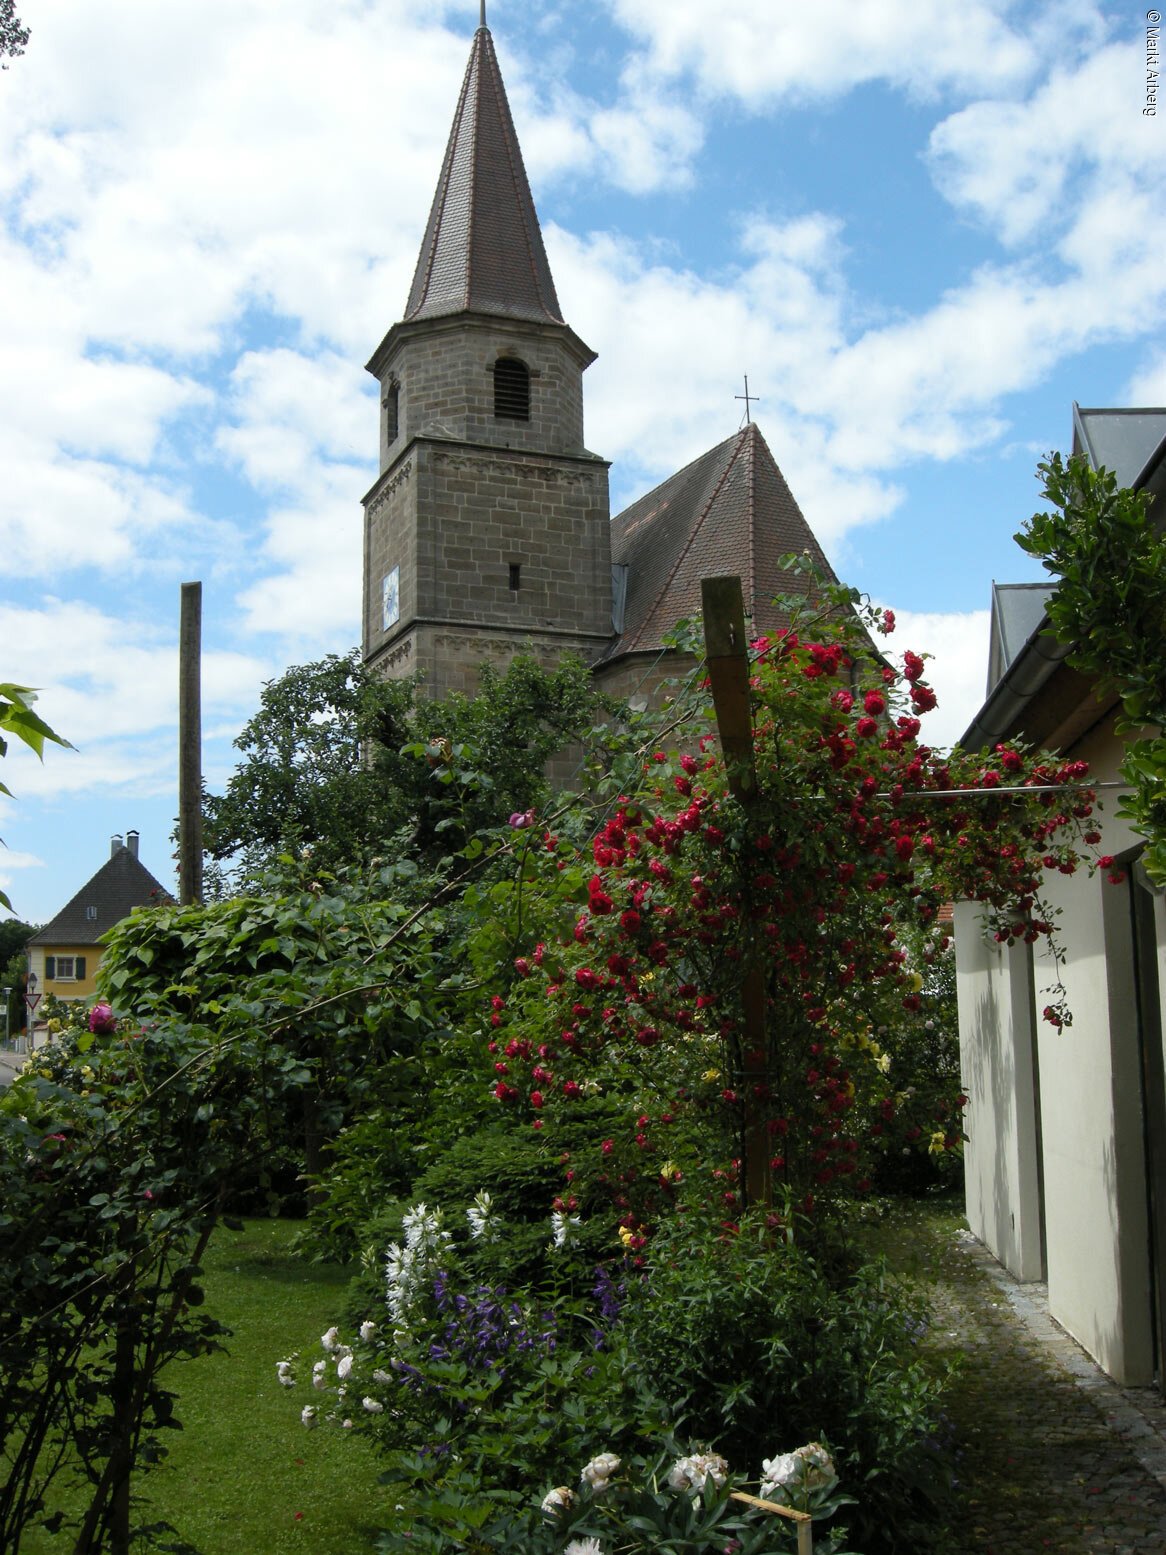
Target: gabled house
63,957
1065,1161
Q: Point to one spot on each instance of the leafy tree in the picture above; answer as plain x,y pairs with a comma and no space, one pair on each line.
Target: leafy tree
13,36
118,1148
340,761
1109,558
14,936
16,710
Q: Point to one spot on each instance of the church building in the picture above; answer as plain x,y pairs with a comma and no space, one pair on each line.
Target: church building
488,531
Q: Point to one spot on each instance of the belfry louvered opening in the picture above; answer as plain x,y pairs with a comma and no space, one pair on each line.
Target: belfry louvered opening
511,389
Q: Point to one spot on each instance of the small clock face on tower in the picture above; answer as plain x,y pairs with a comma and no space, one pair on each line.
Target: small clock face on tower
392,598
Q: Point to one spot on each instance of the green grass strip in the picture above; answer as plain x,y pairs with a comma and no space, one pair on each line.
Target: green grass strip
244,1477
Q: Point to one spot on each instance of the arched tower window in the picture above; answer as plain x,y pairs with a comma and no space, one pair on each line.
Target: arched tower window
392,404
511,389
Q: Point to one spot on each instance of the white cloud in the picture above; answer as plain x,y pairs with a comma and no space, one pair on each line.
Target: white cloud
310,595
102,678
291,410
957,668
1027,168
1148,385
759,51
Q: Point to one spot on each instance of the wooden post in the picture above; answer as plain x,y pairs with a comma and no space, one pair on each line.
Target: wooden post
190,746
727,660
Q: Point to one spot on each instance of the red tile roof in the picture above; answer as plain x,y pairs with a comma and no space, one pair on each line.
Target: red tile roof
730,511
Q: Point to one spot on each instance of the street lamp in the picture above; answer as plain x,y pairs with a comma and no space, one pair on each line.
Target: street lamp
7,992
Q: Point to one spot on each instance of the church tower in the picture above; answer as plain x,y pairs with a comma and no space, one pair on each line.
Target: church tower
487,531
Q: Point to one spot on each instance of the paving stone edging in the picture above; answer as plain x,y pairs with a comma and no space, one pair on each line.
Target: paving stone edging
1138,1415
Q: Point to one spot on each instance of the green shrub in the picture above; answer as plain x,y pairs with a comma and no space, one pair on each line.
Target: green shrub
752,1346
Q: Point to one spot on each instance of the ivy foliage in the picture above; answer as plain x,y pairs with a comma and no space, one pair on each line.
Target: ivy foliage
1108,554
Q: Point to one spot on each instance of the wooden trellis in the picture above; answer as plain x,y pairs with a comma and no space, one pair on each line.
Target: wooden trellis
803,1519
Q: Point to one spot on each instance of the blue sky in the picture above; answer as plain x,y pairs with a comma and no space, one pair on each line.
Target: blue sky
922,230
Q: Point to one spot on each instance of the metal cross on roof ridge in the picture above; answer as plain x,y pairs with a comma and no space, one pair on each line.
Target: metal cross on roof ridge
747,397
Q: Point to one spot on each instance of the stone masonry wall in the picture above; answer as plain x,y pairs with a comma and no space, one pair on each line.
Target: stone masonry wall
445,377
455,520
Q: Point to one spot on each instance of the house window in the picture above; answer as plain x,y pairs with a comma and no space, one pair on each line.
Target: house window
515,577
392,404
65,969
511,389
91,914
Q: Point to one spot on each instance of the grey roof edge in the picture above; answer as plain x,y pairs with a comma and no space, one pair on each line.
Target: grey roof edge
1031,669
1043,653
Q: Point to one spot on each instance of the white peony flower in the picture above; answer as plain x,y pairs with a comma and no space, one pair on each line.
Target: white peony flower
344,1365
598,1472
368,1330
319,1377
583,1547
331,1339
558,1500
308,1416
690,1473
283,1370
806,1468
373,1407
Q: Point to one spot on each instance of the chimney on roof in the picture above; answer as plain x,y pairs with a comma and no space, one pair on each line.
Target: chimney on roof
132,842
115,844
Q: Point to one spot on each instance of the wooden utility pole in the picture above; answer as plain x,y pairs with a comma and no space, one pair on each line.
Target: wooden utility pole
190,746
727,660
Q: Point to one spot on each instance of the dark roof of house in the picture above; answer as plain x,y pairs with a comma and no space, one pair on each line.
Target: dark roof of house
1124,440
121,884
1017,611
483,249
730,511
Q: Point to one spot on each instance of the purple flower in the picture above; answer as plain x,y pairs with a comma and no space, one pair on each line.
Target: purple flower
522,818
101,1019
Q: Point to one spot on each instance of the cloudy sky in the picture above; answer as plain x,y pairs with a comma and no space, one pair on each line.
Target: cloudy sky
923,230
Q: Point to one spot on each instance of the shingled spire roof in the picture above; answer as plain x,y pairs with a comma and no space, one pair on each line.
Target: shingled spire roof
483,250
730,511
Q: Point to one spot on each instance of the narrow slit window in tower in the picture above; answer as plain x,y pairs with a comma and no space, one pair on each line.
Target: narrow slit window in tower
511,389
515,577
392,404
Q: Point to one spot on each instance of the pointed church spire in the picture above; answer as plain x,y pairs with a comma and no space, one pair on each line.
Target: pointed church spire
483,250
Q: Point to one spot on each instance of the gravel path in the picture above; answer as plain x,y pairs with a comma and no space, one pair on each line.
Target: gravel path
1052,1455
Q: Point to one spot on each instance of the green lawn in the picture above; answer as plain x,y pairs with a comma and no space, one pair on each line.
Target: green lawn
244,1477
